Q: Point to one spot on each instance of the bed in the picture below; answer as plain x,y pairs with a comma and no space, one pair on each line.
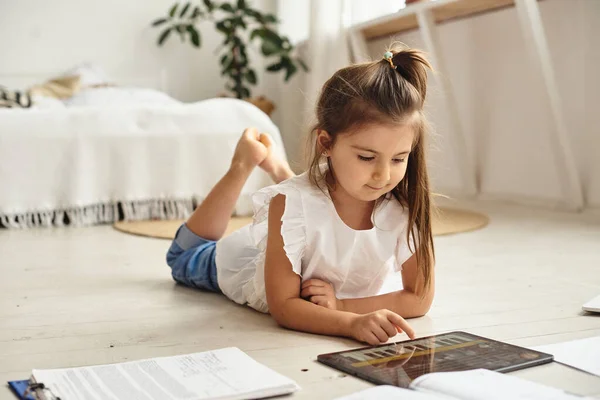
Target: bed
119,153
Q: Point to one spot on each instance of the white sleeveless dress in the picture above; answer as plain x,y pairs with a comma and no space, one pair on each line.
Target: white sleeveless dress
318,245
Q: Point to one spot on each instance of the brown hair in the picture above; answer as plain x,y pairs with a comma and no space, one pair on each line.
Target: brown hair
376,93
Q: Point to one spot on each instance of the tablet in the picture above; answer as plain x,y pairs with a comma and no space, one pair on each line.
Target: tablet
400,363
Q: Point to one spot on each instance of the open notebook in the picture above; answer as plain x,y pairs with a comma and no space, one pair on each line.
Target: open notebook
477,384
220,374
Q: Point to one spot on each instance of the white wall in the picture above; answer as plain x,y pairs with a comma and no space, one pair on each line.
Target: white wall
503,110
39,38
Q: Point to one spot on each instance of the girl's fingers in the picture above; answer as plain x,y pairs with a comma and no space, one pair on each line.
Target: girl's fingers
372,339
380,334
265,139
319,300
312,291
390,329
313,282
251,133
402,324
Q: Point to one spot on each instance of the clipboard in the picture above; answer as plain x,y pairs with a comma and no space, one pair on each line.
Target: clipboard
29,389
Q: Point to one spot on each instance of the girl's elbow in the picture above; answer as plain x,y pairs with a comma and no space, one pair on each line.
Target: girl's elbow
424,306
278,312
422,310
420,306
275,312
281,319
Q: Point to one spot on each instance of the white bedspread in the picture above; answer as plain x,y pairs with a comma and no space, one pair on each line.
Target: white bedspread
78,164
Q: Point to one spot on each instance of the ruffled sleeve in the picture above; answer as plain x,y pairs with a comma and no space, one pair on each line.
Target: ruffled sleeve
293,227
403,250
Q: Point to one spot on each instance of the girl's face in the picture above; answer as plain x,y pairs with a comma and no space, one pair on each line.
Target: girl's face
370,161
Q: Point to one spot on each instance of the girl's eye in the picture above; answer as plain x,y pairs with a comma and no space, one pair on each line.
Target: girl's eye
363,158
398,160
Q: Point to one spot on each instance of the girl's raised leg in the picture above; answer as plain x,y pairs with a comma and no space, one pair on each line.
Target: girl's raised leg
210,218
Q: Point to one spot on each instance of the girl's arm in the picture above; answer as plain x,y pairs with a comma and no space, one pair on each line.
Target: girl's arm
410,302
289,310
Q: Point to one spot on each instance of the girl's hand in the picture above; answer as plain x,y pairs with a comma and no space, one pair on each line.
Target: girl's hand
377,327
320,293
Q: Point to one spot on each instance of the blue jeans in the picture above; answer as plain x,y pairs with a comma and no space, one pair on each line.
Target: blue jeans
192,260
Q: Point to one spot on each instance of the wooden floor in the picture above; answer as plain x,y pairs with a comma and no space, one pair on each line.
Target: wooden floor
71,297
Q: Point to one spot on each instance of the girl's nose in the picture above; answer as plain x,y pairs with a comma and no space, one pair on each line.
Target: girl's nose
382,173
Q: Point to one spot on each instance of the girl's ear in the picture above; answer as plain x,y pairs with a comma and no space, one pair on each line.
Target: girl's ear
324,140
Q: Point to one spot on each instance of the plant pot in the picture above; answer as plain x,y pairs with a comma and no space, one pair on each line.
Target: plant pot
263,103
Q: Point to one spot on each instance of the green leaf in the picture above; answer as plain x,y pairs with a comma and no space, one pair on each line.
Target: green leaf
173,10
272,36
228,67
253,13
302,64
241,23
227,7
237,41
159,22
194,35
269,48
251,77
241,4
224,59
275,67
270,19
290,71
164,35
260,32
245,92
196,13
209,4
224,26
184,10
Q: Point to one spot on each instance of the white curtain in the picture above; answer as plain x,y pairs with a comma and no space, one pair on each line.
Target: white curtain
318,28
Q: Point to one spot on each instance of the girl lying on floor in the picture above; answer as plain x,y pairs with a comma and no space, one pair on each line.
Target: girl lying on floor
345,248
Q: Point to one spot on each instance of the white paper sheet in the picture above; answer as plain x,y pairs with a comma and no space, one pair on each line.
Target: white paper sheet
482,384
593,305
583,354
221,374
392,393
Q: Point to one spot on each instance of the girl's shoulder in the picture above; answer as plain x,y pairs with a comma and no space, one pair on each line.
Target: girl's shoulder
296,190
297,186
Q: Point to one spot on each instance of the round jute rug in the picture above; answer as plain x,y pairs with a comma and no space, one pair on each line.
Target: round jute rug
446,221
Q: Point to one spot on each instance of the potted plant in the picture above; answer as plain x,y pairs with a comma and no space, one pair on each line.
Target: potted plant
232,19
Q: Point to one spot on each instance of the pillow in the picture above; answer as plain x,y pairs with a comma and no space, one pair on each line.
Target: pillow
119,97
58,88
90,75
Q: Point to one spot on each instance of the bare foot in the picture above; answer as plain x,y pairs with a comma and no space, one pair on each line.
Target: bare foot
249,151
278,169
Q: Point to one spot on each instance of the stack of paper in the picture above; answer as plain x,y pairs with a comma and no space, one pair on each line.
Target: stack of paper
583,354
477,384
221,374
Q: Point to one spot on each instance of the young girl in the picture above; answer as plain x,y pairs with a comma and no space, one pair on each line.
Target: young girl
345,248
